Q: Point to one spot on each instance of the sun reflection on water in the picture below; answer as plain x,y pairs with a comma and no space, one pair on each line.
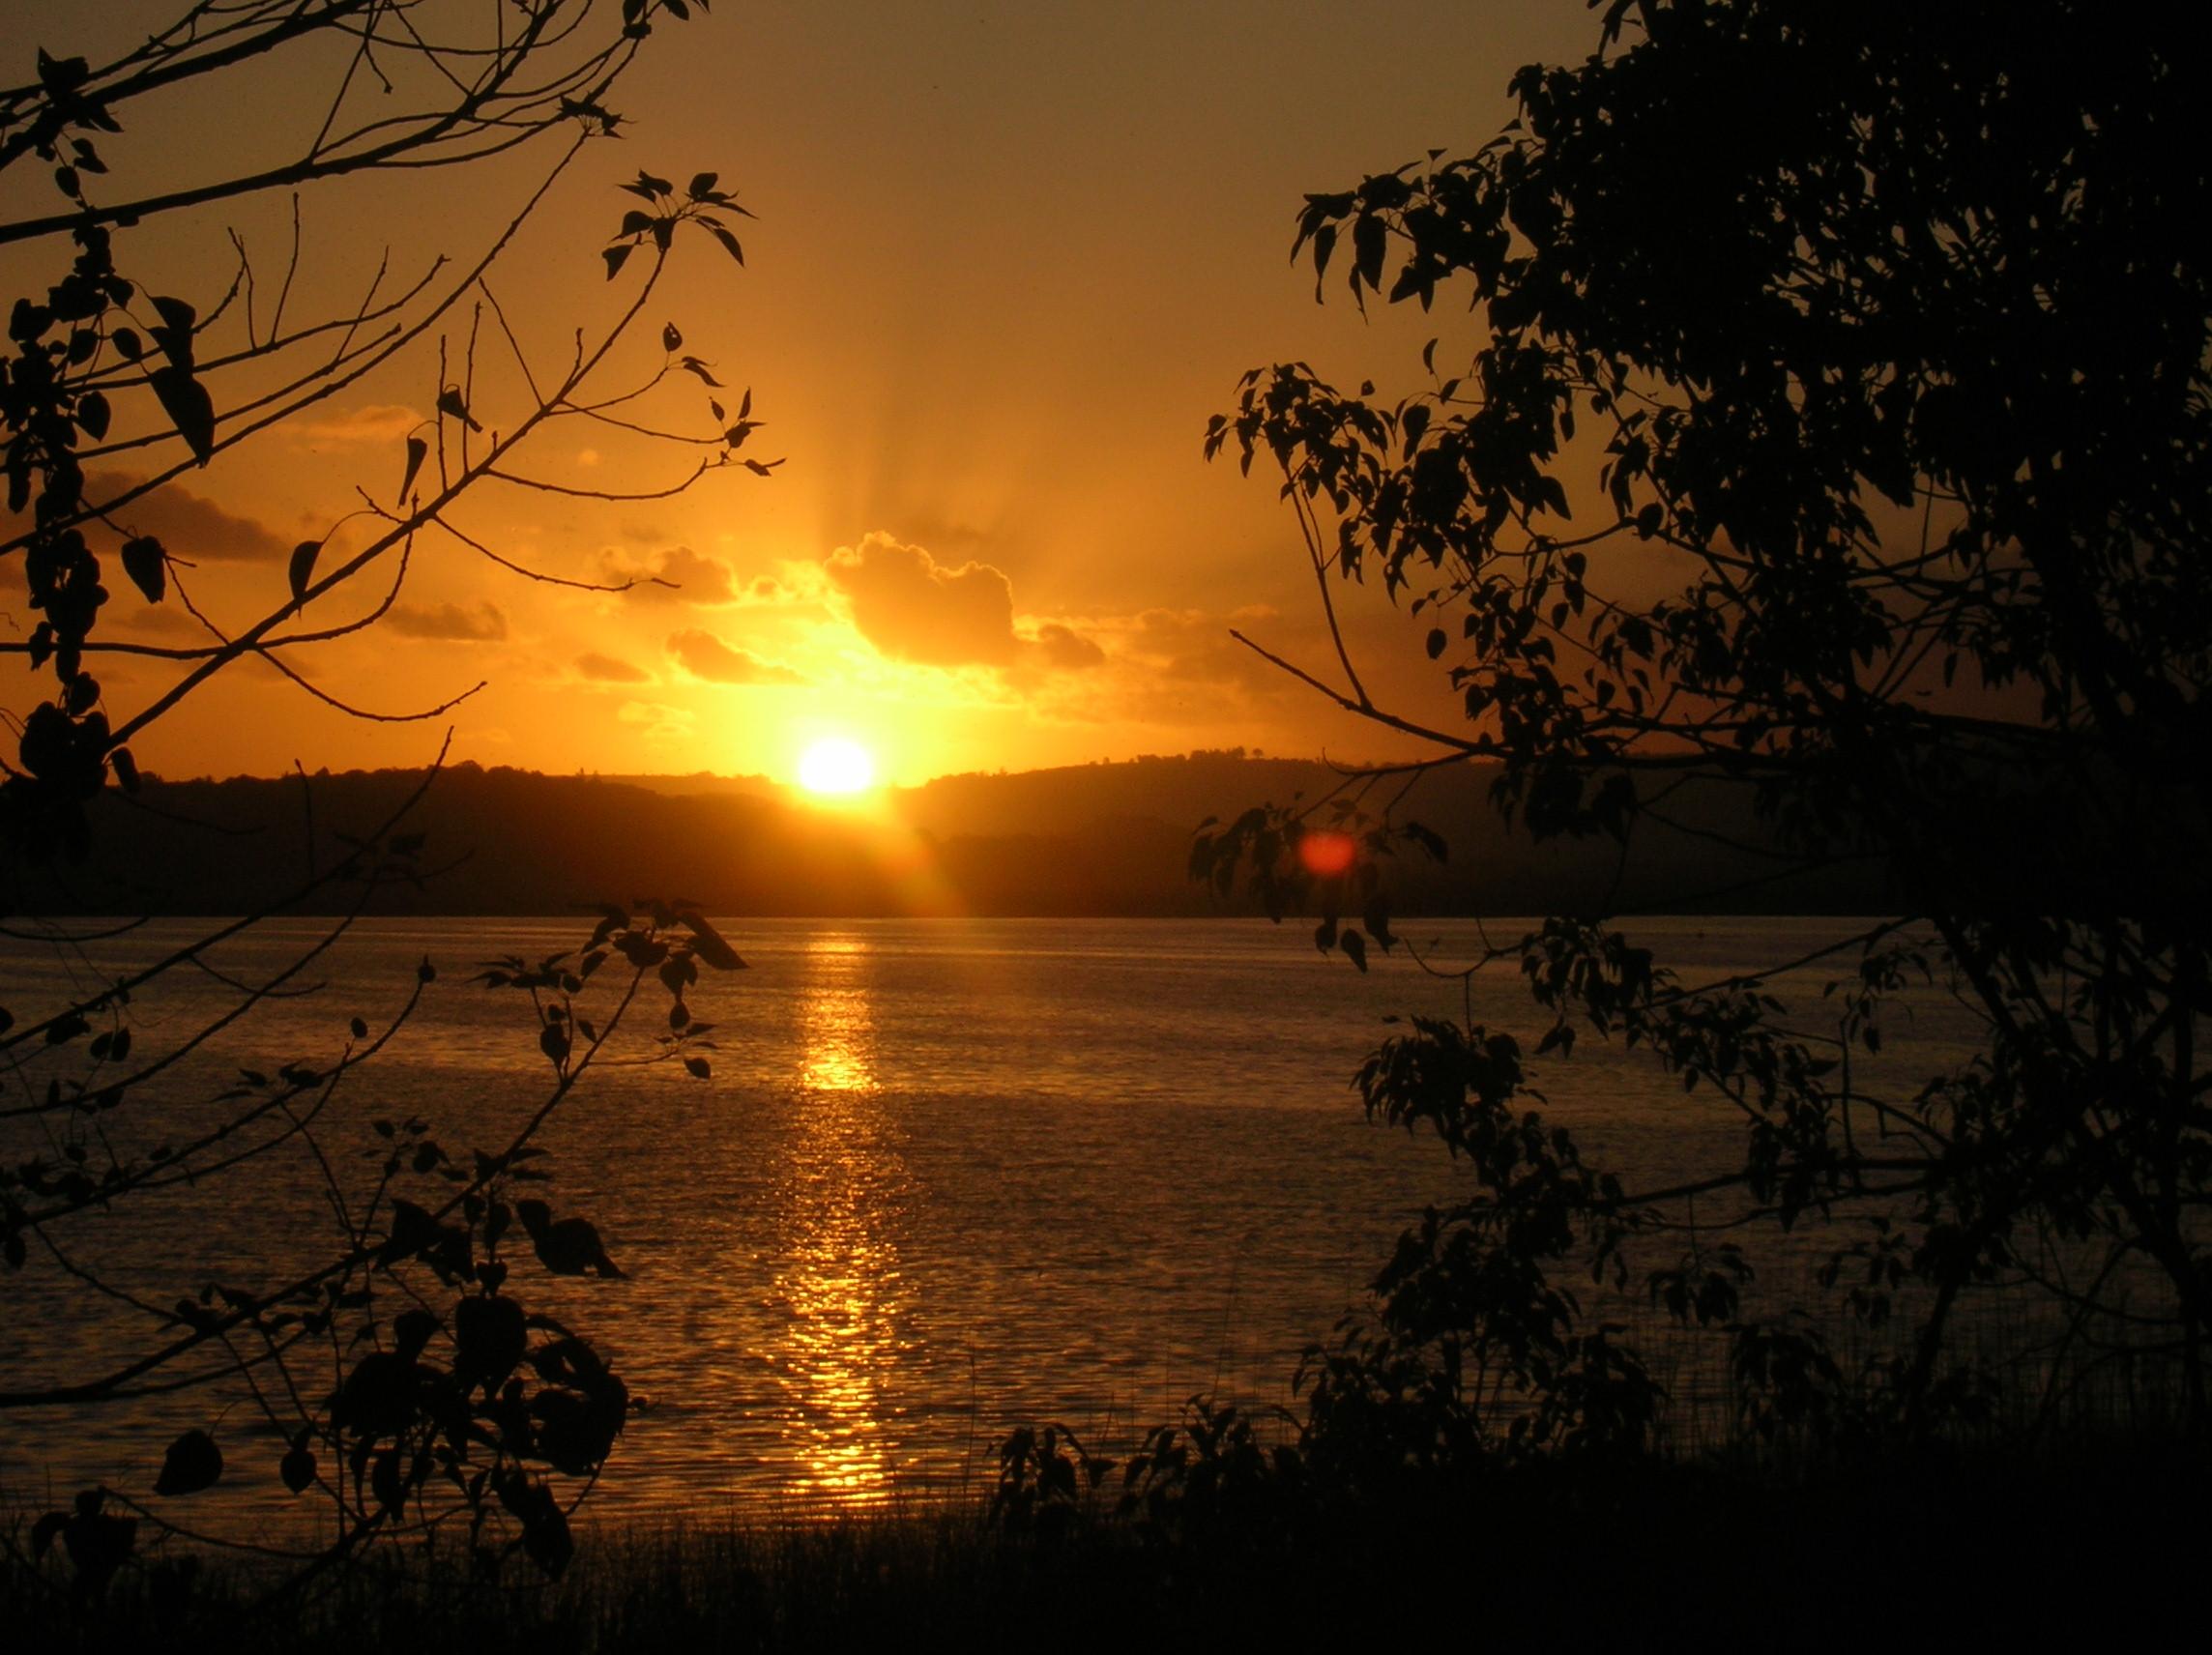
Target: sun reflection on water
844,1191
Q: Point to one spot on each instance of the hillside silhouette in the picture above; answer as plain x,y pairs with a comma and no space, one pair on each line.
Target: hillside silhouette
1102,839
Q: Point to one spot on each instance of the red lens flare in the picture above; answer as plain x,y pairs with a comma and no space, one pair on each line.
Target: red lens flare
1328,855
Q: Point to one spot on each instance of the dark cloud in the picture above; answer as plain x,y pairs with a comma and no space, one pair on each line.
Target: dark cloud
1066,649
190,525
704,656
605,669
678,575
480,623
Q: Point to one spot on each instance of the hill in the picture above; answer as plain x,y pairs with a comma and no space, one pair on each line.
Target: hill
1107,839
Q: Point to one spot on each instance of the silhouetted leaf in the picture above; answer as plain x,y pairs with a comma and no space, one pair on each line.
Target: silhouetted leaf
45,1530
298,1466
490,1336
302,569
189,407
192,1463
708,944
147,564
615,258
449,403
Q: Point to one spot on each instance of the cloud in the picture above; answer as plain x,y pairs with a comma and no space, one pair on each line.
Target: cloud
1067,650
480,623
379,422
910,606
657,722
767,588
704,656
605,669
678,575
191,526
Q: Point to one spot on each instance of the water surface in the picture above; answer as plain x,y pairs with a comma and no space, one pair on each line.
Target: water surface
946,1175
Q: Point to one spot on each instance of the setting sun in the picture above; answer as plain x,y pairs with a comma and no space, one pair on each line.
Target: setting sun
836,765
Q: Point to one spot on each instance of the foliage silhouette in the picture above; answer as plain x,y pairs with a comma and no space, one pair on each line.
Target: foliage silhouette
1882,332
411,1373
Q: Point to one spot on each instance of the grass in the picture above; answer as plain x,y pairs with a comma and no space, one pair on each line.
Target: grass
2090,1538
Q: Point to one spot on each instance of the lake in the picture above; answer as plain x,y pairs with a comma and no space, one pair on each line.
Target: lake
946,1175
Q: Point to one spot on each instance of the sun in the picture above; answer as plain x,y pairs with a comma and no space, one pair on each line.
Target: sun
836,765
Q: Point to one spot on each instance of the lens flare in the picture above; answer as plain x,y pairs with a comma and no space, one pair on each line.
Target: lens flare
1328,855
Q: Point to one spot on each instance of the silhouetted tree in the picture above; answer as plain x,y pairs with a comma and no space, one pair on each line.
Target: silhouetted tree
405,1372
1836,424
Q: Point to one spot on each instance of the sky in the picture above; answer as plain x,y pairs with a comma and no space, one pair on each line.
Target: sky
1006,260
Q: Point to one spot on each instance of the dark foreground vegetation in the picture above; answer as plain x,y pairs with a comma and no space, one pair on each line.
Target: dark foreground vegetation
2102,1535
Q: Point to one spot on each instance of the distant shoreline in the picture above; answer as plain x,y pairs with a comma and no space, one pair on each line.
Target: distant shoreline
1102,841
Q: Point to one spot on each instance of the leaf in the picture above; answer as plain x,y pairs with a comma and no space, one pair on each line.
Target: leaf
60,74
698,1067
92,415
490,1338
126,769
1369,239
179,315
190,408
708,944
702,184
616,255
147,564
1355,947
303,567
298,1466
670,339
192,1463
449,403
728,241
418,450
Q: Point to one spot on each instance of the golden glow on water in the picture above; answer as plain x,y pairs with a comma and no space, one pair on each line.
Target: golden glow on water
841,1283
837,1035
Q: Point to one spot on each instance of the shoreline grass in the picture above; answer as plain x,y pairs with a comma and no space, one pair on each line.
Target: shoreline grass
2089,1535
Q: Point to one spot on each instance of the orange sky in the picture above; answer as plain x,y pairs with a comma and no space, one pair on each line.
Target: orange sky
1009,258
